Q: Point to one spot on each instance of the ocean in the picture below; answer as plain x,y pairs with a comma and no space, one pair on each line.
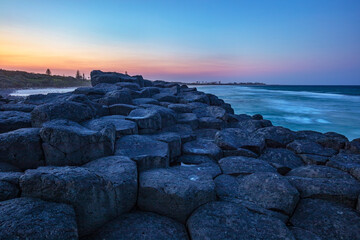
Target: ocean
318,108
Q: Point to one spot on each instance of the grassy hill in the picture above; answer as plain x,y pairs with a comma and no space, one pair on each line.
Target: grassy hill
20,79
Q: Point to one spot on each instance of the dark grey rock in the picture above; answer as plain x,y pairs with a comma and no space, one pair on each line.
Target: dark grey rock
206,133
195,159
168,116
121,173
233,138
346,162
166,97
174,142
20,107
174,192
74,111
282,159
8,191
145,118
239,152
68,143
353,146
312,159
185,131
189,97
275,136
12,120
145,151
121,109
302,234
211,122
202,147
22,148
92,197
326,219
257,117
98,77
313,171
180,108
211,111
141,225
129,85
225,220
244,165
340,190
309,147
116,97
328,140
250,125
140,101
188,118
30,218
6,167
122,126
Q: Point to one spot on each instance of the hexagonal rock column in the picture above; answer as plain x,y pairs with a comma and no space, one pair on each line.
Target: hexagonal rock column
239,165
148,121
68,143
173,140
327,219
22,148
93,194
174,192
202,147
145,151
225,220
141,225
31,218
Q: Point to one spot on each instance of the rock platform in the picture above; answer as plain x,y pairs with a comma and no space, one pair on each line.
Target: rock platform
130,158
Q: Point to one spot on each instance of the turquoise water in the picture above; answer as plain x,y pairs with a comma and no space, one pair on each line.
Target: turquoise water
319,108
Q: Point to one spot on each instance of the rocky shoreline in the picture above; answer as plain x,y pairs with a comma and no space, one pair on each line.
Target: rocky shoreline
131,158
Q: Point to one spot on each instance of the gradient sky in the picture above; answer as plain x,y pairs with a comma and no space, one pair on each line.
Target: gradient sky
272,41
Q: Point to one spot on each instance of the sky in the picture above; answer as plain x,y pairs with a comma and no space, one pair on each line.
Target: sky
270,41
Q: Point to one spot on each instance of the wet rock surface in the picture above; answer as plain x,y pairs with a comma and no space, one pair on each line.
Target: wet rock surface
131,158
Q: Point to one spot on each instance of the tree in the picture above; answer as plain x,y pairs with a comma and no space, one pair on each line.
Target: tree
48,72
78,75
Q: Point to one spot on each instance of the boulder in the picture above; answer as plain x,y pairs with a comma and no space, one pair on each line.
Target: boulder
121,109
174,192
19,107
326,219
180,108
244,165
68,143
141,225
250,125
328,140
211,111
145,151
185,131
206,133
309,147
340,190
266,189
116,97
33,219
312,159
121,173
22,148
188,118
174,143
140,101
188,97
313,171
98,77
166,97
93,198
346,162
8,190
302,234
202,147
122,126
282,159
211,122
239,152
129,85
12,120
225,220
6,167
74,111
353,146
146,119
275,136
234,138
168,116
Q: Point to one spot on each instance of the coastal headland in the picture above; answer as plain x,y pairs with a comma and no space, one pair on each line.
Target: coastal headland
130,158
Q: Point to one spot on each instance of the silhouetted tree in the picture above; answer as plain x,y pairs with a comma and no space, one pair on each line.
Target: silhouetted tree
78,75
48,72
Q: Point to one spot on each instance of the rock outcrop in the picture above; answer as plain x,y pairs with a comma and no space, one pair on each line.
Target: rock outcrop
131,158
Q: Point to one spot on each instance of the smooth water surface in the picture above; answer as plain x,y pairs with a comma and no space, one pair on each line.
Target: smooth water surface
318,108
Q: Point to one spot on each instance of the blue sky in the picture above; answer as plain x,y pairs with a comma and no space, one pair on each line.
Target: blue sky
283,42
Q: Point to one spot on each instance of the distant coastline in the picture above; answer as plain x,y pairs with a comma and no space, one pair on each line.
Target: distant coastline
233,83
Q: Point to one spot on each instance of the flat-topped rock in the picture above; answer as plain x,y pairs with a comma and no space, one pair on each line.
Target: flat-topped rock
211,111
98,77
168,116
174,192
185,131
173,140
234,138
166,97
78,186
22,148
33,219
12,120
239,165
310,147
121,109
116,97
313,171
21,107
312,159
236,223
145,118
122,126
68,143
282,159
6,167
202,147
145,151
346,162
275,136
303,234
188,118
326,219
140,101
211,122
180,108
206,133
8,190
141,225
